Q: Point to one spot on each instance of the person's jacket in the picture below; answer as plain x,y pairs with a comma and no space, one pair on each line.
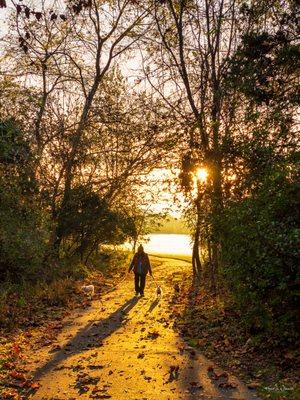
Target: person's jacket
140,264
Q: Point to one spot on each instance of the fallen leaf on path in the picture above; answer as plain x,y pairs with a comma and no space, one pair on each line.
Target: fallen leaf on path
220,375
16,349
76,367
174,368
9,365
45,342
153,335
35,385
201,342
56,348
253,385
10,394
17,375
195,386
227,385
94,366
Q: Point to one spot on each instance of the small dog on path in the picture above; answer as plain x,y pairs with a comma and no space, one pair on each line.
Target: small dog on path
159,291
89,290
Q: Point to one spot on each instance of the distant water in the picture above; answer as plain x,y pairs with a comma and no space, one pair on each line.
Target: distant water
165,243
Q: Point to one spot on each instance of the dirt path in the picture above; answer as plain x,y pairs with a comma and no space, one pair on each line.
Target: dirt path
127,349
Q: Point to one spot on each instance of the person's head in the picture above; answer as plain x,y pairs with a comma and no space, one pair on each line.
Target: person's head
140,249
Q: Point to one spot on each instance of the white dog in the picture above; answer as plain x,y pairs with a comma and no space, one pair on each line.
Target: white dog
89,290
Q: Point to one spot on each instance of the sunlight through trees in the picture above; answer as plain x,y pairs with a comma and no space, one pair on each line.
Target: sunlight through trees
202,174
117,114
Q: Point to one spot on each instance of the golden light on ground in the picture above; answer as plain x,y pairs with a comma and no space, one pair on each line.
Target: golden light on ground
202,174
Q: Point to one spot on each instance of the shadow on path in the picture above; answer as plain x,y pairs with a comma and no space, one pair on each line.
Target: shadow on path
200,379
89,337
153,305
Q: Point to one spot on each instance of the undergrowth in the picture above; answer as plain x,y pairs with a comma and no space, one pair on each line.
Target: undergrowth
213,325
22,304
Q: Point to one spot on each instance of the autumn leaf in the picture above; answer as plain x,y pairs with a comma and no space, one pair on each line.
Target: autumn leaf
35,385
17,375
153,335
254,385
221,375
16,349
9,365
227,385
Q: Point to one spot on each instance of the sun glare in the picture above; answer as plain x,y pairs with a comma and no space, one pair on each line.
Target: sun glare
202,174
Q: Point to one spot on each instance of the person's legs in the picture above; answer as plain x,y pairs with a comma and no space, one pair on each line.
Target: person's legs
136,283
142,284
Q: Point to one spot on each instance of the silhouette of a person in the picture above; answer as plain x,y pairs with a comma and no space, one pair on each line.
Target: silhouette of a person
140,265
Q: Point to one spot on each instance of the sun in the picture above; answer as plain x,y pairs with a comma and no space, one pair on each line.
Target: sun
202,174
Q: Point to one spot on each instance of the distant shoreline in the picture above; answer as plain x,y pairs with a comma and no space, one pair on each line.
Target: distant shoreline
180,257
171,225
167,233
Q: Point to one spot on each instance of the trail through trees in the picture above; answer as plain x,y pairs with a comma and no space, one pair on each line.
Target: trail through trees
126,348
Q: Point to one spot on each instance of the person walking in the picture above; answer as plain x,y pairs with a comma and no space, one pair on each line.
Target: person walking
140,265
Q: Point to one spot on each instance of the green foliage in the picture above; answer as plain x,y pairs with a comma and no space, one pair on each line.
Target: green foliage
23,234
87,221
259,227
265,66
260,250
14,149
23,225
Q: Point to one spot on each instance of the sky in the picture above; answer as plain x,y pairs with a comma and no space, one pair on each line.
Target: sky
162,182
4,12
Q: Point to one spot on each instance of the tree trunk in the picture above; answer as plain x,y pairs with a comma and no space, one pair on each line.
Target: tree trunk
134,244
217,205
196,261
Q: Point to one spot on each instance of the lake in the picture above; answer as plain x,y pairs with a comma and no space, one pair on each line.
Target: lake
165,243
